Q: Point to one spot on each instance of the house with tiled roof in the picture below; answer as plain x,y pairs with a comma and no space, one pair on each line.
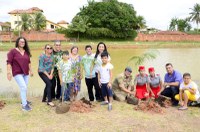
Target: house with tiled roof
4,26
15,19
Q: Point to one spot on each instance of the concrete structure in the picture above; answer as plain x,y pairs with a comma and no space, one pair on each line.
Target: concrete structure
63,24
4,26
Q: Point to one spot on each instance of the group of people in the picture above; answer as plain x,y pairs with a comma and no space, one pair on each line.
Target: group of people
62,72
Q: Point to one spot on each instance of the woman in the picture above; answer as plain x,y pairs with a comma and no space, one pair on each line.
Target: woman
19,62
45,71
101,47
141,84
155,83
75,58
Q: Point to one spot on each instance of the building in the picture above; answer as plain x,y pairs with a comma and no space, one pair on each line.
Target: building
15,19
4,27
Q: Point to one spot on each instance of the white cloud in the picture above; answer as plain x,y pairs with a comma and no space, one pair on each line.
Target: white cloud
157,13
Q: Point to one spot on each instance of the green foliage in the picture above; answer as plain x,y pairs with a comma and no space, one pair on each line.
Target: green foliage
39,21
16,32
106,19
180,25
139,60
195,14
26,23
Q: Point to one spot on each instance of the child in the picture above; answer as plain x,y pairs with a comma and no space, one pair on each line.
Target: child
188,91
66,76
105,77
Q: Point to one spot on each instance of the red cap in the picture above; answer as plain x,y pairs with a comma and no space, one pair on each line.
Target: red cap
151,69
141,68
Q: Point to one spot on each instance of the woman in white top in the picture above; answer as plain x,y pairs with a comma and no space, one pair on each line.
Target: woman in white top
101,47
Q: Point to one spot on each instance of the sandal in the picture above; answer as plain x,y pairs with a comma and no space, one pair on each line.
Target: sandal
50,104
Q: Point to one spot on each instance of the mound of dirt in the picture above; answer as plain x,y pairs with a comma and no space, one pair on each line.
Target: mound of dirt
149,106
2,104
81,106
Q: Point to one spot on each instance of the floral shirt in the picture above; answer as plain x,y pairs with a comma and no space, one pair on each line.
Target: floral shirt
45,63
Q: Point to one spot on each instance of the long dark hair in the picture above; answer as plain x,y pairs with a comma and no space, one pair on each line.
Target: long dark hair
26,47
97,51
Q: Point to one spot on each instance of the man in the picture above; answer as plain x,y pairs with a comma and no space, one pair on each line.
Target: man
123,87
57,52
172,81
90,77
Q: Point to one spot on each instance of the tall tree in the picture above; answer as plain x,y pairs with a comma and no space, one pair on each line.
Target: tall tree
110,19
173,24
195,14
39,21
26,22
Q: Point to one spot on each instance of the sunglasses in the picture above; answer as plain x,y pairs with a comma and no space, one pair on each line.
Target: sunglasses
49,48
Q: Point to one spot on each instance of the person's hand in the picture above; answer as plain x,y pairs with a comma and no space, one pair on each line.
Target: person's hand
31,73
100,84
109,85
9,76
50,76
132,93
146,94
152,94
80,77
185,89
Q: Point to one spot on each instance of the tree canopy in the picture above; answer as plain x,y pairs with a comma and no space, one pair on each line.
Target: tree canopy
107,19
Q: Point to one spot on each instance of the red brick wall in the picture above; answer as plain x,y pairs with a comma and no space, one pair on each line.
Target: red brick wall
166,37
34,36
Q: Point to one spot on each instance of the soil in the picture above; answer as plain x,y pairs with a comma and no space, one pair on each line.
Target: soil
152,106
81,106
2,104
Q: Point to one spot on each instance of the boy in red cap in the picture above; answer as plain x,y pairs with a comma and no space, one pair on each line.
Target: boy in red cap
155,83
141,83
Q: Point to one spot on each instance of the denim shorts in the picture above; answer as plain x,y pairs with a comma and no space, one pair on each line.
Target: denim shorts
105,90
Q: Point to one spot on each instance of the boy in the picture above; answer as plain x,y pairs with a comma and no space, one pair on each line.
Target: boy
105,78
90,77
188,91
65,75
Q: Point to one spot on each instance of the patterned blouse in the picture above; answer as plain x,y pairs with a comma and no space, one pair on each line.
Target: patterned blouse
45,63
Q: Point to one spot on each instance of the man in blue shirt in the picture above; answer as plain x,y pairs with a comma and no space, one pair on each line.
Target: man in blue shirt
171,84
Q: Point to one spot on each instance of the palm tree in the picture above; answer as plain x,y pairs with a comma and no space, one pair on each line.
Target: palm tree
173,24
26,22
39,21
195,14
141,59
141,23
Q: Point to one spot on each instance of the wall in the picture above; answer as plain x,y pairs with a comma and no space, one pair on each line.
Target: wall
166,37
34,36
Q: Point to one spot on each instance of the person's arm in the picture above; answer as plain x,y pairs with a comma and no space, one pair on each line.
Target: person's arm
110,81
41,67
172,84
9,75
181,97
161,87
99,76
30,70
60,76
135,83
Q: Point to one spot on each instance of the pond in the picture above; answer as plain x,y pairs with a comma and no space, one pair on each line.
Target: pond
183,60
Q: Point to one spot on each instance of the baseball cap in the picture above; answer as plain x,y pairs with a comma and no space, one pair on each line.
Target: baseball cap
128,69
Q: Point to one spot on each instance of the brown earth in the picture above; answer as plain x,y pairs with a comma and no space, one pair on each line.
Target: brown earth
2,104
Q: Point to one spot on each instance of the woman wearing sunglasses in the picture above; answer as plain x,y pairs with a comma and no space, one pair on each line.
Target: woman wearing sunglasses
45,71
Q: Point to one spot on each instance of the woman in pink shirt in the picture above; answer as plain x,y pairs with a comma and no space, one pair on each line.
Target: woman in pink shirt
19,63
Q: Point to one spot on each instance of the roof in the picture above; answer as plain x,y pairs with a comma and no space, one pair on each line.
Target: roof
54,23
171,33
62,22
28,11
4,24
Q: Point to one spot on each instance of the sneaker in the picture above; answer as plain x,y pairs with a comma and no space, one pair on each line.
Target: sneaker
26,108
109,107
183,108
104,103
28,102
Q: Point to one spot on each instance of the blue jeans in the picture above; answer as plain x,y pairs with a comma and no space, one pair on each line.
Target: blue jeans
22,81
68,89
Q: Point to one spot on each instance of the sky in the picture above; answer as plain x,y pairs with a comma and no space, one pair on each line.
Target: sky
157,13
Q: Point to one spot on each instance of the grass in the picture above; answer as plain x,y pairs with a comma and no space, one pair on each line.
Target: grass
4,46
121,118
